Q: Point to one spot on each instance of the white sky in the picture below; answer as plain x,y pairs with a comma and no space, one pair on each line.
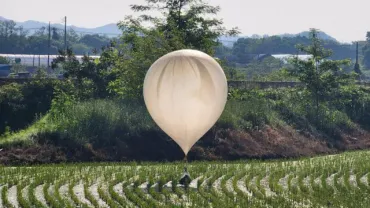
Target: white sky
345,20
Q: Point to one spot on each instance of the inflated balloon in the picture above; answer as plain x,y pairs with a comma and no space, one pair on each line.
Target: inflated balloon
185,92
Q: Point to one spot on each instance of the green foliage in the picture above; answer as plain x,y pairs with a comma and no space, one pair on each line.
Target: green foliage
94,41
64,98
267,68
140,52
309,182
256,108
21,104
4,60
91,77
248,113
41,73
245,49
123,126
190,23
84,111
68,62
366,53
355,102
7,131
232,73
278,75
16,68
296,108
258,69
100,122
323,78
185,24
17,40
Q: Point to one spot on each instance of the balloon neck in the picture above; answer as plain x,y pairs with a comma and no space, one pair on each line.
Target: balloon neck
186,164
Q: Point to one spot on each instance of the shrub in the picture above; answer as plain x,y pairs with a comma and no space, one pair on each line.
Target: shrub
22,104
102,122
4,60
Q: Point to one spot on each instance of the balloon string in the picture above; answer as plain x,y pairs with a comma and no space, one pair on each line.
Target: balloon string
186,161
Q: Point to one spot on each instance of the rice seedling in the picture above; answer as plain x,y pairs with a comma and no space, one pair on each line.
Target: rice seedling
329,181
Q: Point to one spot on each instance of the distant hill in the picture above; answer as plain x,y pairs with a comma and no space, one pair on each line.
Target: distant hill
229,41
322,35
109,29
112,30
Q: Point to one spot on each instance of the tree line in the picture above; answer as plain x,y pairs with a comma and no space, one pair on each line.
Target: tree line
15,39
246,49
366,51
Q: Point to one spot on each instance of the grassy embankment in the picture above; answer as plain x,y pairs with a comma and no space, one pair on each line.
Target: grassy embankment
255,124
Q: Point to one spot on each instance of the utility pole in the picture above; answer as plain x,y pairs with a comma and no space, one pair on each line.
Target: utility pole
65,33
357,65
356,52
49,47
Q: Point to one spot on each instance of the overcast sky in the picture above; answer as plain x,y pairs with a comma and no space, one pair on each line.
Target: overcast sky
345,20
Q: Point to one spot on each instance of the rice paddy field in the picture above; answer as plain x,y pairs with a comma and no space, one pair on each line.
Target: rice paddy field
328,181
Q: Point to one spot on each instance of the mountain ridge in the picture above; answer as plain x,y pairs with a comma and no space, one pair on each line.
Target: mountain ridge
108,29
113,30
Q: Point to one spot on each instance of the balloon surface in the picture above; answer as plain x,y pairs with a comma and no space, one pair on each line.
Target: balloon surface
185,92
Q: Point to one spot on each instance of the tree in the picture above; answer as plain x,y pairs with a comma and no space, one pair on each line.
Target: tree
184,24
323,77
16,40
366,52
259,69
245,49
4,60
91,77
11,37
366,60
69,64
40,73
55,34
16,68
94,41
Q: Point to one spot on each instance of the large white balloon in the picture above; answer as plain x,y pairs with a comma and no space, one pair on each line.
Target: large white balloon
185,92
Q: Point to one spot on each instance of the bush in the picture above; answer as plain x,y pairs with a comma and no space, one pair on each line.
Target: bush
124,128
296,109
22,104
102,122
4,60
245,115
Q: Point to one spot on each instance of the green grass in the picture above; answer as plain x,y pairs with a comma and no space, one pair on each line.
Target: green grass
124,125
25,137
102,122
218,186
